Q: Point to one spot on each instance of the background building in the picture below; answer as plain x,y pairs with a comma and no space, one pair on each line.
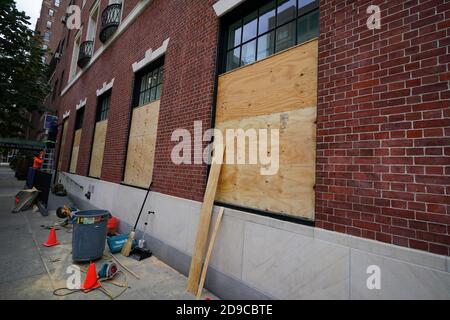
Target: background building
364,126
50,25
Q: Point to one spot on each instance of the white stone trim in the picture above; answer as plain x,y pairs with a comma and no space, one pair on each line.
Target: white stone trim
81,104
341,260
66,114
106,87
150,56
223,6
133,15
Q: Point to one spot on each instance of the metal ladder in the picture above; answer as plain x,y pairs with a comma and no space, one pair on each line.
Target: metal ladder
49,160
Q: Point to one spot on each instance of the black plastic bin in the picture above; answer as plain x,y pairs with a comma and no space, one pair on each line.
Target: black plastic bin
89,235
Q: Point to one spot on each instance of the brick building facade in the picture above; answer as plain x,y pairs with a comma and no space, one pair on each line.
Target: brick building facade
383,123
49,25
383,126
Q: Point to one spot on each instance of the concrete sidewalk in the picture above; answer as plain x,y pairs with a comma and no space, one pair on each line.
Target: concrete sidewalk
29,270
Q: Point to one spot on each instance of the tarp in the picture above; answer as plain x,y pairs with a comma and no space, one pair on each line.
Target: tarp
25,199
16,143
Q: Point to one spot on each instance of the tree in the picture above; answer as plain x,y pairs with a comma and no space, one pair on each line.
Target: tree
23,82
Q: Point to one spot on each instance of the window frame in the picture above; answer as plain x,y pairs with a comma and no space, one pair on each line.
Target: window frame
79,119
102,110
94,12
241,12
75,53
159,62
137,90
54,90
61,83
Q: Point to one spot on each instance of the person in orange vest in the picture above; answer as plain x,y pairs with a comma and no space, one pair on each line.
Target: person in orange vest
38,160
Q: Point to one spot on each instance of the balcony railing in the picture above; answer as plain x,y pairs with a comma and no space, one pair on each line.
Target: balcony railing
110,21
86,51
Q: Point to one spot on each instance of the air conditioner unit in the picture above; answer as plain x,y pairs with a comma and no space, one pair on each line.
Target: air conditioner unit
64,19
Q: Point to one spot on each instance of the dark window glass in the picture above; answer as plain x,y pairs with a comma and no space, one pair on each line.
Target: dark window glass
151,85
249,52
233,59
79,119
267,17
275,26
287,10
285,37
235,34
266,45
302,3
103,106
308,27
250,26
54,90
61,83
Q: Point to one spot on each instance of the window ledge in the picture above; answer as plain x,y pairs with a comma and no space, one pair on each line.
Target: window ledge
222,7
150,56
105,87
81,104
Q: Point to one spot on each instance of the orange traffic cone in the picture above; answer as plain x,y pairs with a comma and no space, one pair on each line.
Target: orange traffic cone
91,281
51,241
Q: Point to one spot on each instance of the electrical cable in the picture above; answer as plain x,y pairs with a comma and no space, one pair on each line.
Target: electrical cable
60,291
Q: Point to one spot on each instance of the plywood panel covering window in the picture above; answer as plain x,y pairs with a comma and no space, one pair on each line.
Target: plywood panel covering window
144,124
76,140
101,126
63,144
75,151
276,93
141,145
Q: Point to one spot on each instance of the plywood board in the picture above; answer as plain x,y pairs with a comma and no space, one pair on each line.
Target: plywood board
63,144
75,151
98,149
205,220
141,145
283,82
143,120
208,254
297,133
291,190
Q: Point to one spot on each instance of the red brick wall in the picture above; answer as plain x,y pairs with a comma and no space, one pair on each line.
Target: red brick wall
383,150
189,76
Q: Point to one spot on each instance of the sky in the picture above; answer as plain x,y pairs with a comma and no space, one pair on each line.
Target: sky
32,9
